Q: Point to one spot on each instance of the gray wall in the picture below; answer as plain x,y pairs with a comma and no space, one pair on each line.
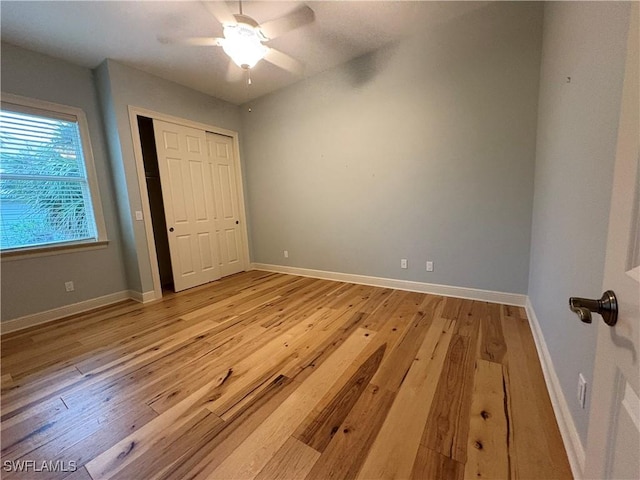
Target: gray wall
423,151
120,86
37,284
577,132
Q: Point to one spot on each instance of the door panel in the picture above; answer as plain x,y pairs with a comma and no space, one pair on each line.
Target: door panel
194,144
170,140
232,246
206,250
198,188
177,193
184,254
624,461
227,204
225,182
185,176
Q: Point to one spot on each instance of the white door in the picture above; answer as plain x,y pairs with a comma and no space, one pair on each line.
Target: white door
185,175
227,204
613,444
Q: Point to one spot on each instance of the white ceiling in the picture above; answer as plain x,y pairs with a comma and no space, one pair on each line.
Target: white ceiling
87,32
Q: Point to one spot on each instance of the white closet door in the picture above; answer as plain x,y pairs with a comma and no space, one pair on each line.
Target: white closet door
227,204
185,175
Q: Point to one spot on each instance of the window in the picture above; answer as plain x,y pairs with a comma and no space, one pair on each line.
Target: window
48,191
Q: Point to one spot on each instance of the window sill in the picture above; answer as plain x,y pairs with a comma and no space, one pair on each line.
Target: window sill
47,250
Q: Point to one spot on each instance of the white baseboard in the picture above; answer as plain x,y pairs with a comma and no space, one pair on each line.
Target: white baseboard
433,288
142,297
570,437
66,310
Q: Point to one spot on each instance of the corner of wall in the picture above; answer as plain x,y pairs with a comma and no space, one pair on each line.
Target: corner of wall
110,122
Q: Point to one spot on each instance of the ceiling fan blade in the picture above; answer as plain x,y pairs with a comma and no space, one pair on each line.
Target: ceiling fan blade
284,61
298,18
234,73
193,41
220,10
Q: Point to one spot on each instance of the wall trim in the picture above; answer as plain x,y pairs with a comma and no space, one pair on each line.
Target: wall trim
411,286
571,439
143,297
47,316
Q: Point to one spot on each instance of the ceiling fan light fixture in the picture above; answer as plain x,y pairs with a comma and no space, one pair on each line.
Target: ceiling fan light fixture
243,43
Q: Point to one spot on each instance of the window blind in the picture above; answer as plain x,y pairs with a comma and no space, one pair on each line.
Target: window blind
44,192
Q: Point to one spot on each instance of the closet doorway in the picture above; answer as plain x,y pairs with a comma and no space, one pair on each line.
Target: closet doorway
196,215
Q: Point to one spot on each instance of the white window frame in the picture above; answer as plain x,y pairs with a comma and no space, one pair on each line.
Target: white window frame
34,106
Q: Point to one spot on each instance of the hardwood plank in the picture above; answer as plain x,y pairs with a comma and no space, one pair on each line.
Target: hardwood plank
21,365
267,358
80,474
386,309
82,445
252,455
377,296
467,313
403,350
62,429
274,356
392,454
348,296
309,361
51,405
243,301
124,452
451,308
531,455
132,346
488,441
170,389
432,465
26,434
293,309
113,368
492,346
293,460
323,422
198,431
350,445
135,385
29,386
448,422
236,369
236,430
538,385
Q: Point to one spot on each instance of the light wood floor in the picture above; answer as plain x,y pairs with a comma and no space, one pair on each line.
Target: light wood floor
267,376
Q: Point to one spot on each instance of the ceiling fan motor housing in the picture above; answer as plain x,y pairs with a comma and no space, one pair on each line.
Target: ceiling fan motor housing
243,41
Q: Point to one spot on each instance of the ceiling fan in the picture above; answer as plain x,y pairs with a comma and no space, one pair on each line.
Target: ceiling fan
244,38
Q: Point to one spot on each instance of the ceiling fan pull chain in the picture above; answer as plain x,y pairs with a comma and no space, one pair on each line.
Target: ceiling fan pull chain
247,74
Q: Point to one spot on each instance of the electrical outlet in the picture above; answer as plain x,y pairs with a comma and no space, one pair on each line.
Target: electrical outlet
139,216
286,254
429,266
403,263
68,286
582,391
